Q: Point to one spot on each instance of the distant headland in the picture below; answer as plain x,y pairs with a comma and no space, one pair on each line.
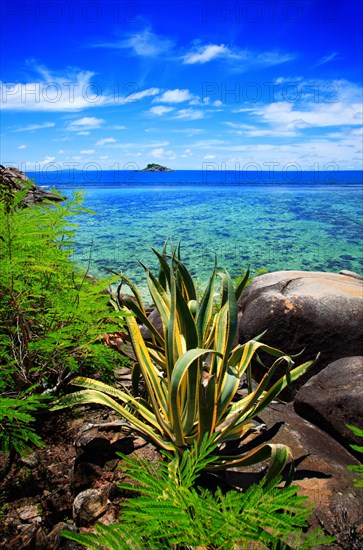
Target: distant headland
156,168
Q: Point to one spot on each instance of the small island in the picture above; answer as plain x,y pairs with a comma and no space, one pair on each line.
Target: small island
156,168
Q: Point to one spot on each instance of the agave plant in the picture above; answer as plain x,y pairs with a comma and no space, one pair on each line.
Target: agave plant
193,369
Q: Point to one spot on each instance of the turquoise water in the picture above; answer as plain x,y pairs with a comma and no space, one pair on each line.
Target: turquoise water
306,225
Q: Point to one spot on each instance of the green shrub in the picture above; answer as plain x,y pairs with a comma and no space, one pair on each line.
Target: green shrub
193,370
52,316
172,512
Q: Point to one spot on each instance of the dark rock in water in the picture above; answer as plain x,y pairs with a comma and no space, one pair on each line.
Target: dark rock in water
12,178
308,312
334,398
153,167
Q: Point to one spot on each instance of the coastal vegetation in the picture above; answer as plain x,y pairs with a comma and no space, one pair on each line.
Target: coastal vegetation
192,392
172,510
192,369
52,316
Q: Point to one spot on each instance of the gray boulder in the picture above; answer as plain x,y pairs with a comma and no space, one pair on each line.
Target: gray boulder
15,180
334,398
308,312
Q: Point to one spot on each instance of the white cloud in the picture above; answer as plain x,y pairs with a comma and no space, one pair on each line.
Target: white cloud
67,138
208,143
242,59
283,114
189,132
144,43
174,96
22,147
160,153
203,54
140,145
187,153
136,96
87,152
305,154
106,140
318,106
85,124
265,59
118,127
72,91
254,131
209,157
326,59
160,110
287,80
189,114
61,152
36,164
32,127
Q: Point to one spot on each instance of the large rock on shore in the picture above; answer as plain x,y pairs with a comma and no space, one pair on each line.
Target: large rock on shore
12,179
321,474
334,398
308,312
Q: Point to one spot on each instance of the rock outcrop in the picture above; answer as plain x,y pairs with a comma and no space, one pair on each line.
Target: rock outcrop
153,167
308,312
321,474
334,398
15,180
89,505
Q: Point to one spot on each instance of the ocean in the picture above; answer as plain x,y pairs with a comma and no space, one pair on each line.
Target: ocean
271,220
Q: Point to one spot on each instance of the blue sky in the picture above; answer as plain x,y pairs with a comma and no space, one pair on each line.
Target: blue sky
240,84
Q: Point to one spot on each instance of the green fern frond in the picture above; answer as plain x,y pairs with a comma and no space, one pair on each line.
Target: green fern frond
15,418
52,317
357,468
172,513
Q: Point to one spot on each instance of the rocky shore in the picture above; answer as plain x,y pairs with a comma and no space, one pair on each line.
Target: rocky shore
73,482
15,180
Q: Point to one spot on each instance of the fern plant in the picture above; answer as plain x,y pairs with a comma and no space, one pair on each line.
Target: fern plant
359,432
171,511
17,436
192,370
51,315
